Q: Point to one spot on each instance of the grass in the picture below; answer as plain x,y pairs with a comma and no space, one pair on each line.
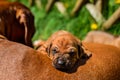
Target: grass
46,24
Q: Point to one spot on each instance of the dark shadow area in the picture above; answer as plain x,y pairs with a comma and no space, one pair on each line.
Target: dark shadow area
79,63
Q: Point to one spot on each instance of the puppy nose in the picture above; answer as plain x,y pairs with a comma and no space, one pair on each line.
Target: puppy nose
61,62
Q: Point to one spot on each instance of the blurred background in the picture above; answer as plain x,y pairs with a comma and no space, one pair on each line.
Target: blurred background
76,16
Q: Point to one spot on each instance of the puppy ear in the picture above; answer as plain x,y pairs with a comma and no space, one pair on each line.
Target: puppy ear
84,53
79,47
48,49
80,50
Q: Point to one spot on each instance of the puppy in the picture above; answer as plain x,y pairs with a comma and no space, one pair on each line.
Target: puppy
16,22
64,50
102,37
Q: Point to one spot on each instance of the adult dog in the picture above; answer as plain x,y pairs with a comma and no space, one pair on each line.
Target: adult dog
20,62
16,22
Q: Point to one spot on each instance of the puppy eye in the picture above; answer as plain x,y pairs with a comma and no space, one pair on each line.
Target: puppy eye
72,52
54,50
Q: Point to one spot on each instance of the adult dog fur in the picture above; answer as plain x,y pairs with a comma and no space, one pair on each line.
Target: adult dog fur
102,37
16,22
19,62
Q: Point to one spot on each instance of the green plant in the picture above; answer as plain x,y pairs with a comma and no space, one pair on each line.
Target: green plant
48,23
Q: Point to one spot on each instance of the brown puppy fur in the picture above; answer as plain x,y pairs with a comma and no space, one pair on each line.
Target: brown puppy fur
16,22
19,62
64,49
102,37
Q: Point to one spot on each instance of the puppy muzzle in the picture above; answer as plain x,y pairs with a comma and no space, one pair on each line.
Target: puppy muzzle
62,63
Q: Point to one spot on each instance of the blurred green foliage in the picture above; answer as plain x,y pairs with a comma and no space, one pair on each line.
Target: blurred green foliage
47,23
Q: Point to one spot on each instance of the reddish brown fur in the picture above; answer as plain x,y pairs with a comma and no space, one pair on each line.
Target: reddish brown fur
19,62
16,22
58,34
64,49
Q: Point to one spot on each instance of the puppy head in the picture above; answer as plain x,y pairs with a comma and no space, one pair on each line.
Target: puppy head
64,51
